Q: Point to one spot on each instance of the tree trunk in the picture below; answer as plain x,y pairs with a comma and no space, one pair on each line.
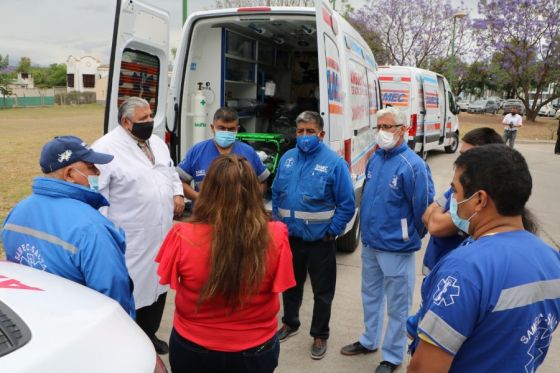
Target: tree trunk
531,115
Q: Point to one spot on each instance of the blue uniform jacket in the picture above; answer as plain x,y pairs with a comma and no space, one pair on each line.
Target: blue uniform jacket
313,193
59,230
397,191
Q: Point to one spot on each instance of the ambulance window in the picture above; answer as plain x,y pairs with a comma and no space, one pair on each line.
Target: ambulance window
139,77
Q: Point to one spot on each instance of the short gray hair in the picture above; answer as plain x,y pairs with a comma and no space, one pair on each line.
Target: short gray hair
129,105
310,116
398,115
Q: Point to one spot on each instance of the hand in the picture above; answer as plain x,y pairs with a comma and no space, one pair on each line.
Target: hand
329,237
179,206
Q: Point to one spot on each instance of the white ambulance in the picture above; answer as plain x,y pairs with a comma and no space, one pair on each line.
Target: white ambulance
267,63
430,106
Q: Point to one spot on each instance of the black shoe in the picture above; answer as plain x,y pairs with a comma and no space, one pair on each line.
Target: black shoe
355,349
386,367
319,348
161,347
285,332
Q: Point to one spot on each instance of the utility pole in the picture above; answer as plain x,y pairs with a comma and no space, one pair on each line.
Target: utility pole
185,13
459,15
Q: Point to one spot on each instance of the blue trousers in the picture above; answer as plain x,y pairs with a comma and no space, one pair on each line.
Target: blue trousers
387,277
186,356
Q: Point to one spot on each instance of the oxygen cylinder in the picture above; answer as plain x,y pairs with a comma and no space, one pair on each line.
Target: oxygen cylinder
198,105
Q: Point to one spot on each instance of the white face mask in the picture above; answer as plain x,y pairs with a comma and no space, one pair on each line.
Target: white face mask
386,140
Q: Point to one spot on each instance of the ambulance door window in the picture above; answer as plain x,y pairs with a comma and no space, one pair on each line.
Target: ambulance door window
334,82
373,101
139,77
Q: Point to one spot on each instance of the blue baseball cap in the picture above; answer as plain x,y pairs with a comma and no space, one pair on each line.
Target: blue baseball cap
65,150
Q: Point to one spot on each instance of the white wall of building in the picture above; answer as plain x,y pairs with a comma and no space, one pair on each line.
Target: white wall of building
86,65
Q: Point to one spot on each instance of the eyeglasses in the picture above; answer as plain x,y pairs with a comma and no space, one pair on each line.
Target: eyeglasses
388,126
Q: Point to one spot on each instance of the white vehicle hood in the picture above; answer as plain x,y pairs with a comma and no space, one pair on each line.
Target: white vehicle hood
73,328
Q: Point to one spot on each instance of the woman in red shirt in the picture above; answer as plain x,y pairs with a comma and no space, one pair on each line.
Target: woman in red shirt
228,265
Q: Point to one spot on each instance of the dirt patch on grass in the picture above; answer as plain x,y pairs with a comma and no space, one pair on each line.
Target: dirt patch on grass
542,129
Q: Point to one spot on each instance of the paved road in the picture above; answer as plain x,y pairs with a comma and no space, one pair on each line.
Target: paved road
346,321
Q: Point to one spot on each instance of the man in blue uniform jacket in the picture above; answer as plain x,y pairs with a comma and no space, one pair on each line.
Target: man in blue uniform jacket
398,189
492,305
314,196
59,230
199,158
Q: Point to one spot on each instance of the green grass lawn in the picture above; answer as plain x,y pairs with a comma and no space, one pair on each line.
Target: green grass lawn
25,131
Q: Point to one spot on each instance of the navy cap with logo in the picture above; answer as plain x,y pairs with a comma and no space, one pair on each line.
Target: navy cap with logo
65,150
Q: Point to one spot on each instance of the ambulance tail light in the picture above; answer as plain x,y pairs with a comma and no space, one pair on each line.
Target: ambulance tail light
168,138
348,153
413,125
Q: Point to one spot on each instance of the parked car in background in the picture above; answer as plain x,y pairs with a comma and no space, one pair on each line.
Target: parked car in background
547,111
463,105
483,106
508,104
51,324
498,100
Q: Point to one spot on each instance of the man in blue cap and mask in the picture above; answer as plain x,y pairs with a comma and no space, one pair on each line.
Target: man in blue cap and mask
59,230
199,158
314,196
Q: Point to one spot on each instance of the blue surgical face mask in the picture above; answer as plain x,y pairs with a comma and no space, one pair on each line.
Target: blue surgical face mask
93,180
224,139
307,143
460,223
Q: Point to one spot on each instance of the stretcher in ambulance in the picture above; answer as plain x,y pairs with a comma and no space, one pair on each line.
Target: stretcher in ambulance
269,64
429,104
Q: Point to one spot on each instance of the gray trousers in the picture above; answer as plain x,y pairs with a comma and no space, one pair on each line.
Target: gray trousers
510,135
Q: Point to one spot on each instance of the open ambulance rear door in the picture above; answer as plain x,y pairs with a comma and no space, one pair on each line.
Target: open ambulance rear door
139,61
330,82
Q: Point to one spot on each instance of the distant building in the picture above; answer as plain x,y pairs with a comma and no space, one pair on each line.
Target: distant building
81,74
24,80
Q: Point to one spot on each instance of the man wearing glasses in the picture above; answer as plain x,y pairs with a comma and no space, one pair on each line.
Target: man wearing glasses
397,190
200,156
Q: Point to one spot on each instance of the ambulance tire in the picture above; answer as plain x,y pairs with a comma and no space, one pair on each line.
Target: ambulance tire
454,144
349,242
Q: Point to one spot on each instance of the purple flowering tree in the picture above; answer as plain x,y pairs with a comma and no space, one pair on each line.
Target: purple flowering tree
414,32
523,37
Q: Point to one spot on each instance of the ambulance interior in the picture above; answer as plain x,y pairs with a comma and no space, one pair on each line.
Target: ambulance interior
266,68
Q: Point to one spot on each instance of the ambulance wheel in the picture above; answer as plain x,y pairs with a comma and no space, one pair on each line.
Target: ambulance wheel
349,242
454,144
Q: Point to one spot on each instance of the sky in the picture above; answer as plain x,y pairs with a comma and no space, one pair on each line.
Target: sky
48,31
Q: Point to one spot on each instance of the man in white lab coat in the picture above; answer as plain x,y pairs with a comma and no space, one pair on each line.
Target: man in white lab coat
144,192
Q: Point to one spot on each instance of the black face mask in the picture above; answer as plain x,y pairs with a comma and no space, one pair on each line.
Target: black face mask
142,130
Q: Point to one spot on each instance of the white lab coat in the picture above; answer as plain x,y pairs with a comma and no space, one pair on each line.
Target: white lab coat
141,198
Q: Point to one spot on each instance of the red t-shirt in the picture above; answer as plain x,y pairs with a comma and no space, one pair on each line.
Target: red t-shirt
183,263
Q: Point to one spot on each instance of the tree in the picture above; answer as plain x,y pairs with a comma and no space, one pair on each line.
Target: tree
24,65
524,38
413,32
5,78
4,61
